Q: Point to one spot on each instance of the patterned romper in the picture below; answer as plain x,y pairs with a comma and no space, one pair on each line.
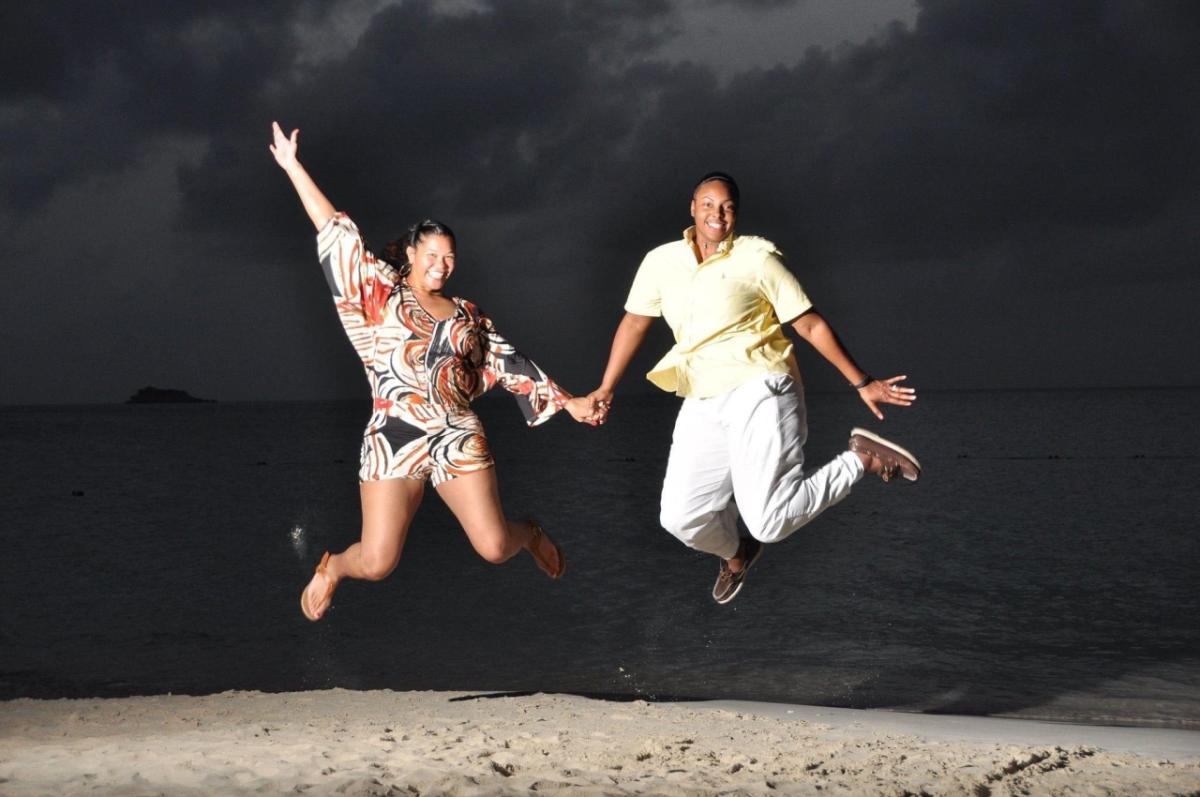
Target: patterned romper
423,372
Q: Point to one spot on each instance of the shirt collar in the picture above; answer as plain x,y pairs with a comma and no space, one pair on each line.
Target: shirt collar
689,237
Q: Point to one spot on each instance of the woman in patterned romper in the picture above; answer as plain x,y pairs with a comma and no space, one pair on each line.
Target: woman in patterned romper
426,355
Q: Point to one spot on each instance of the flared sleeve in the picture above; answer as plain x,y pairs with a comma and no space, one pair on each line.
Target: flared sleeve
537,394
360,283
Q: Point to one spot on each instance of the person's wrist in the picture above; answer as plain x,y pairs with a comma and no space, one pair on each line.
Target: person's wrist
860,384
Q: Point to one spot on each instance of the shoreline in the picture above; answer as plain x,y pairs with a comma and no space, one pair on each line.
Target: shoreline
477,743
1175,744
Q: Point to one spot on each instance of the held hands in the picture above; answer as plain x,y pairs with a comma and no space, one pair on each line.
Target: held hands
602,401
284,149
584,410
886,391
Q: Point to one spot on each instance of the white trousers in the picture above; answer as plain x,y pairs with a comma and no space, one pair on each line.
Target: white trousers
747,446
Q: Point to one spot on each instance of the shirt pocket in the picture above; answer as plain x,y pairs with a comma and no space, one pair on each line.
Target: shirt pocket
727,300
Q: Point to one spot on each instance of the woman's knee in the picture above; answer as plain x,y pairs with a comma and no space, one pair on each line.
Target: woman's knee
377,565
495,547
495,551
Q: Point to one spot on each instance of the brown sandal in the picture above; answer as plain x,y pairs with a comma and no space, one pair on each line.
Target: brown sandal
549,557
331,585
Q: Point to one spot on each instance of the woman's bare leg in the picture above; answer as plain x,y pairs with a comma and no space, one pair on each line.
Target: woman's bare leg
475,500
388,507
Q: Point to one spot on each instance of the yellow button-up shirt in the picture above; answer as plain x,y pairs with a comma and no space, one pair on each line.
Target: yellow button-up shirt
726,313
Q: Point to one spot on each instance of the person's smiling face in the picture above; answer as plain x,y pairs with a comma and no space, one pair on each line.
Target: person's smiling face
432,262
713,211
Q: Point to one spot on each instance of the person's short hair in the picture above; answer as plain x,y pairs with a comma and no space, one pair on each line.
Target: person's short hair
723,177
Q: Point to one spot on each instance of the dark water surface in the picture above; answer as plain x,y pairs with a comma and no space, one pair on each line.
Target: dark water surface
1046,566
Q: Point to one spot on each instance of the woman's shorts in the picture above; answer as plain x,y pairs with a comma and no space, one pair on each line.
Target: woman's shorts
445,448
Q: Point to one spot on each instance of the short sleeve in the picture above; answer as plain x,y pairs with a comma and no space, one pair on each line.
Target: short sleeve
782,289
645,295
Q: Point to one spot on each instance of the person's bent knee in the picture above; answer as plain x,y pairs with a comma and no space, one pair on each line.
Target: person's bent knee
376,567
495,551
493,554
675,523
768,531
766,535
680,526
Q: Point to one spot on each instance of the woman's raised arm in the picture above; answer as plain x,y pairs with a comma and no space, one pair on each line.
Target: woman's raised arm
320,210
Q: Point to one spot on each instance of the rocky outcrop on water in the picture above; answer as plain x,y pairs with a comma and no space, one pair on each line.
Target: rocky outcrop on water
165,395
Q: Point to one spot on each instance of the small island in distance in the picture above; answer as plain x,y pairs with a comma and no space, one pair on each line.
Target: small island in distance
160,395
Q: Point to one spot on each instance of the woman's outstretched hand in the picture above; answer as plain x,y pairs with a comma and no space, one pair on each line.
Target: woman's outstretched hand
583,409
886,391
316,205
284,149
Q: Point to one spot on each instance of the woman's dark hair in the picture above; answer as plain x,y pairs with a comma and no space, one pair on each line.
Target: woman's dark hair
734,194
394,253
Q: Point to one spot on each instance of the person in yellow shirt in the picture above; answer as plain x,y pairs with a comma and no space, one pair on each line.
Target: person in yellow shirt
738,442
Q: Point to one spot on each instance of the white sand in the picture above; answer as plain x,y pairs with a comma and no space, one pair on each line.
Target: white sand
435,743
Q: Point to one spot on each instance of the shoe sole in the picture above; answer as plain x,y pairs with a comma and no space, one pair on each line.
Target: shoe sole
883,441
745,570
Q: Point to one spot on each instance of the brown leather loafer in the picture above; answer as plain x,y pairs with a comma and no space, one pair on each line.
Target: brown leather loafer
894,459
729,583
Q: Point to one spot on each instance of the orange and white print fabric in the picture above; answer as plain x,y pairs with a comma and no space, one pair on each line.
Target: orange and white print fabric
423,372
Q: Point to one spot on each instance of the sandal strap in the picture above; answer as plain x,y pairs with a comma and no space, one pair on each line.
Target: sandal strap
537,547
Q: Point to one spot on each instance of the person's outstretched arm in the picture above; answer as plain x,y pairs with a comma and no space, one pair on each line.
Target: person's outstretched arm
360,283
626,342
320,210
537,394
820,335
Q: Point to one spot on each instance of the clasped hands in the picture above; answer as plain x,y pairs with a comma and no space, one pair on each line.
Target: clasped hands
591,409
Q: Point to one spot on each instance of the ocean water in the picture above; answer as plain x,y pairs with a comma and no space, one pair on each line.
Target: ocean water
1044,567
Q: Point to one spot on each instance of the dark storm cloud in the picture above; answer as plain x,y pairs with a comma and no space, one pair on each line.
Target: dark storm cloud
484,112
992,149
988,122
89,85
1003,120
753,5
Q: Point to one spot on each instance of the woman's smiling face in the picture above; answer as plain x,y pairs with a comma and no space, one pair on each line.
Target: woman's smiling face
432,262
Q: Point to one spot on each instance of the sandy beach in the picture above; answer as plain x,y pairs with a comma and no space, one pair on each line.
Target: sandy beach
442,743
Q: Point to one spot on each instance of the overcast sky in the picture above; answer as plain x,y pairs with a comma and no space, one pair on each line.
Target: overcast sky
978,194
